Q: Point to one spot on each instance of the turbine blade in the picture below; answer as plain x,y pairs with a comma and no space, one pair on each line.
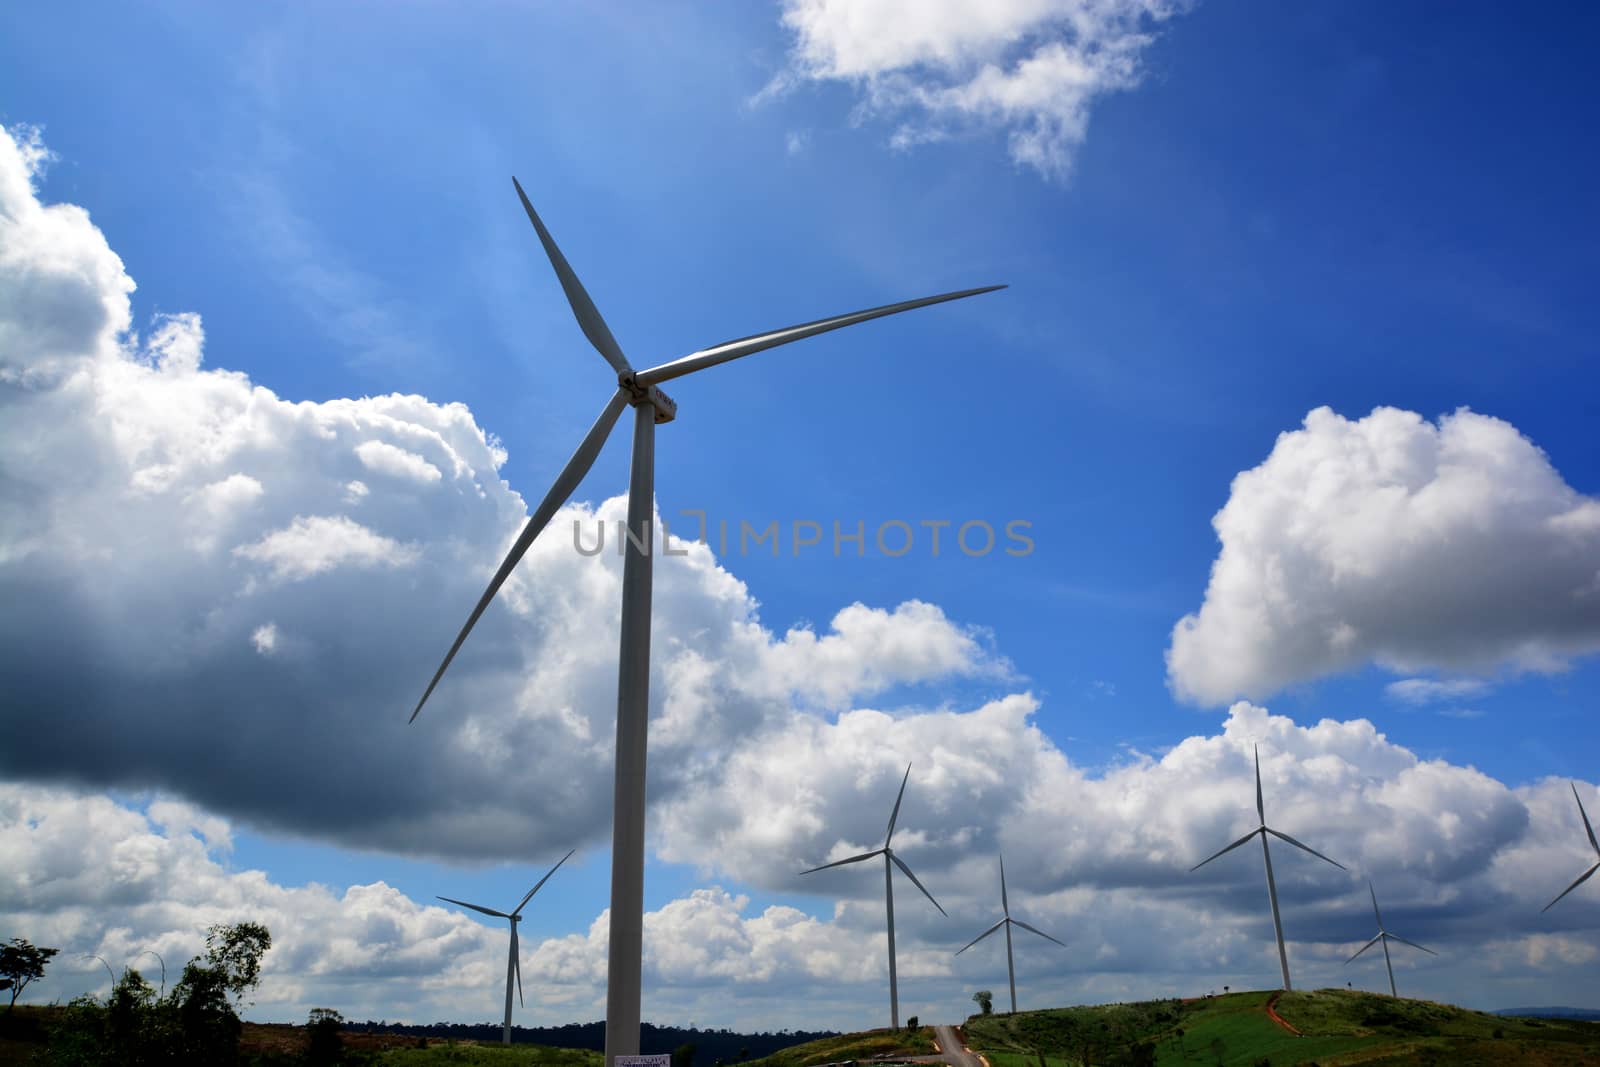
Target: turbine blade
1375,910
1005,905
1225,851
516,963
475,907
566,482
744,346
980,937
1582,878
542,881
1413,944
594,327
1261,807
1363,948
895,814
1595,844
841,863
1041,933
1285,837
898,862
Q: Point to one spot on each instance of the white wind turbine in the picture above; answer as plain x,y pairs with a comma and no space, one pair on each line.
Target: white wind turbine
1008,922
1272,886
1584,877
890,862
639,389
1384,936
514,963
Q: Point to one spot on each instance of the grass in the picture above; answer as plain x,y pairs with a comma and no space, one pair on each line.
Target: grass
441,1052
1340,1028
862,1046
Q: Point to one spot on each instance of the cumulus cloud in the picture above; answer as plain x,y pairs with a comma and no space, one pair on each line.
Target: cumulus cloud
385,458
90,875
202,582
1032,68
1463,864
1451,547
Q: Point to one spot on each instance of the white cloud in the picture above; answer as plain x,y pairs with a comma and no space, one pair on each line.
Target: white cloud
309,546
1462,863
1433,690
175,540
385,458
1032,68
870,649
265,638
140,627
1453,547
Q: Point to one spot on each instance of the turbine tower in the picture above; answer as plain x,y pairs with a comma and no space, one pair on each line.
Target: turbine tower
890,862
1385,937
514,963
640,390
1584,877
1008,922
1272,886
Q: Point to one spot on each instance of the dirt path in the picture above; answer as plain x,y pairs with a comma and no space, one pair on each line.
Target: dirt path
954,1052
1275,1017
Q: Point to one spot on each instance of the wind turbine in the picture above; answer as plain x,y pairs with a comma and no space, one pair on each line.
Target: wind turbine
514,963
641,390
1584,877
890,862
1272,886
109,973
157,955
1008,922
1385,937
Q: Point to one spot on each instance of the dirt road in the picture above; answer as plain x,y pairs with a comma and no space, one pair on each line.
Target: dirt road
951,1049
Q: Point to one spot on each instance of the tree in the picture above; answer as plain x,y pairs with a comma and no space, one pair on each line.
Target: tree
235,952
323,1043
20,964
911,1024
985,1001
683,1055
230,968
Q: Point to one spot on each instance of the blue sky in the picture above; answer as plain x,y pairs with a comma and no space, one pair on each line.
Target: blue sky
1278,208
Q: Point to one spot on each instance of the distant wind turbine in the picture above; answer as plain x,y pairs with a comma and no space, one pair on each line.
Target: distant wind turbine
514,963
1008,922
890,861
157,955
1272,886
1384,937
109,973
1584,877
641,391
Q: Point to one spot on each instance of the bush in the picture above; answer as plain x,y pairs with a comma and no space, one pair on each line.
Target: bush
911,1025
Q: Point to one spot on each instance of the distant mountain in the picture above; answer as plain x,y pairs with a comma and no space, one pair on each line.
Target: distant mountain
1589,1014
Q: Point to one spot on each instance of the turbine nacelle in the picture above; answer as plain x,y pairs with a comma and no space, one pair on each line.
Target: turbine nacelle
666,407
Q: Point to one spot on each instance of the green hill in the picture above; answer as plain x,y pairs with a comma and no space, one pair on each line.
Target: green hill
1337,1027
862,1046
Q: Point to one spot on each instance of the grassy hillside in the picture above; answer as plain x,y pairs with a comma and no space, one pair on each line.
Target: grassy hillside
862,1046
1337,1027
